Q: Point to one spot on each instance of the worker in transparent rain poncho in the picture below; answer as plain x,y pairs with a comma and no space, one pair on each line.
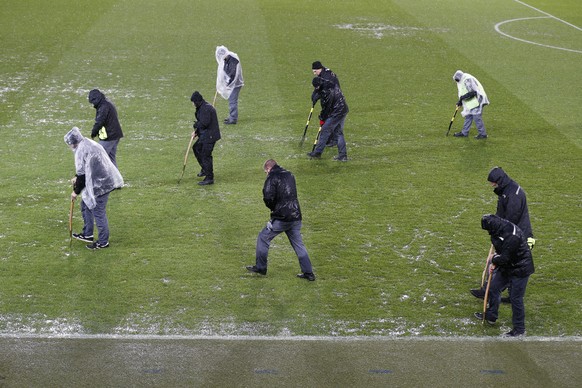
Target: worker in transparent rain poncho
95,178
229,80
473,99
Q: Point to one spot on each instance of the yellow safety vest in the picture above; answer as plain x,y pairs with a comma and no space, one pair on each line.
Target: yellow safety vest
471,102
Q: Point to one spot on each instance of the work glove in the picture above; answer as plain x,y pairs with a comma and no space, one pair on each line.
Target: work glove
531,242
494,259
460,103
321,122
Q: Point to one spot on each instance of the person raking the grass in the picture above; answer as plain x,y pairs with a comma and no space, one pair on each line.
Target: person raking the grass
334,110
207,131
472,98
280,196
512,206
327,74
512,265
95,178
229,80
106,126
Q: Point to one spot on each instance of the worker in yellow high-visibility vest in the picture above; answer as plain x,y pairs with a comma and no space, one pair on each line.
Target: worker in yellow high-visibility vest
472,98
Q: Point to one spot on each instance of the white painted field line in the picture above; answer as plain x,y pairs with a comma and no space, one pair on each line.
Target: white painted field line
549,15
529,41
126,337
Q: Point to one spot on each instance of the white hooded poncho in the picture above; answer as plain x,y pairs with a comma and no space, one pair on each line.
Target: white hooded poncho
91,160
222,86
467,83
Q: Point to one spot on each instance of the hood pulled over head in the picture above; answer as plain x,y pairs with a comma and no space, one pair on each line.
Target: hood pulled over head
73,137
221,53
492,224
197,98
321,83
458,75
317,82
95,97
497,175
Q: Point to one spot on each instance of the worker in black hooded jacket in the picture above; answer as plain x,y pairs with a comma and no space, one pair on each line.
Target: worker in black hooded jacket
512,265
106,126
512,206
511,201
208,132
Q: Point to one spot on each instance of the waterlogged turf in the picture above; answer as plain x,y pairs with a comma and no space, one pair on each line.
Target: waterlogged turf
394,234
315,362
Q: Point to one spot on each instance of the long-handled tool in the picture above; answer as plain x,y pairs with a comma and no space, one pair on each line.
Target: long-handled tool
316,139
487,263
71,208
214,101
186,157
453,119
486,297
307,125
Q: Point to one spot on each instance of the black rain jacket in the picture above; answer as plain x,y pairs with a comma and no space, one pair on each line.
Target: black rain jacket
106,116
280,195
511,202
513,256
333,102
206,124
327,75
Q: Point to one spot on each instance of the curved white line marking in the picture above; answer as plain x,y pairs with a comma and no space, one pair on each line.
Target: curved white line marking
529,41
549,15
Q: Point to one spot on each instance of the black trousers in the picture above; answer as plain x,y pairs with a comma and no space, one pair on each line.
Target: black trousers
203,153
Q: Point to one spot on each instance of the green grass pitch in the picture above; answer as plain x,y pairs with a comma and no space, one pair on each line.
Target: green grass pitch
394,234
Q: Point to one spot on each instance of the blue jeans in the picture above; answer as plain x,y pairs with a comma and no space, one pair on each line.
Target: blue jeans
233,104
500,282
97,216
333,127
293,232
111,149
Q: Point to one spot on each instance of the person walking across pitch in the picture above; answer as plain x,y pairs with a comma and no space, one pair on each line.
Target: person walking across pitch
95,178
229,80
472,98
512,206
106,126
334,110
280,196
511,267
208,132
